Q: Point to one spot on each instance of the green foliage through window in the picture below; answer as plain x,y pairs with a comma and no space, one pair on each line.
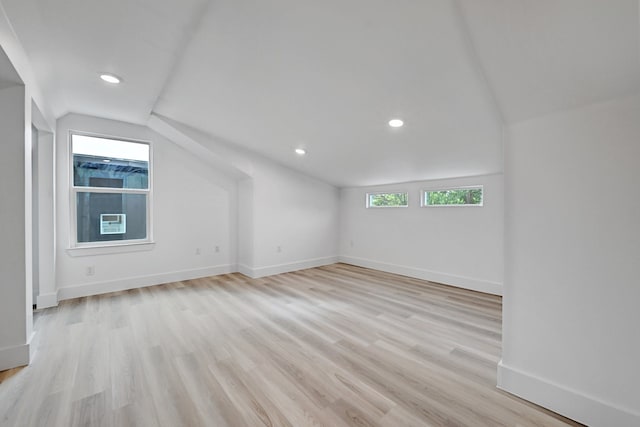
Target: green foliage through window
380,200
453,197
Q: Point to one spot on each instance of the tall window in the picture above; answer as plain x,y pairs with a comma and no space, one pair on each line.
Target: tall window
110,190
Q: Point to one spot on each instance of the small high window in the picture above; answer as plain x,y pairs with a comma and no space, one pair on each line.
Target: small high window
387,200
110,190
462,196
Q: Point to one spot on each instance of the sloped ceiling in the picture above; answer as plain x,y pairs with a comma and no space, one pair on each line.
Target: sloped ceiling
69,42
542,56
8,75
327,76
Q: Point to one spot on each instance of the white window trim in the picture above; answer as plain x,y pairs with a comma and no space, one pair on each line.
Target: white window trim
369,206
117,246
423,193
112,249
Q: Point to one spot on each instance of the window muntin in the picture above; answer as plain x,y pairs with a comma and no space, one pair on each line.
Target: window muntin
111,191
456,196
388,200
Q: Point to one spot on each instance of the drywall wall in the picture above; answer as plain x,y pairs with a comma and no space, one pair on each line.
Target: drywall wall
460,246
245,222
47,296
193,207
295,220
570,340
15,225
287,220
35,215
277,220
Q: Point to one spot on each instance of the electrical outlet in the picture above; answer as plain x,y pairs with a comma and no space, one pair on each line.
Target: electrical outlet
91,270
278,248
198,251
217,248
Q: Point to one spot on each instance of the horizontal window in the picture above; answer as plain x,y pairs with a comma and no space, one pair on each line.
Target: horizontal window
387,200
462,196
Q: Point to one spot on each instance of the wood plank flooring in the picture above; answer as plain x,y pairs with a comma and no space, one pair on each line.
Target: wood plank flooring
330,346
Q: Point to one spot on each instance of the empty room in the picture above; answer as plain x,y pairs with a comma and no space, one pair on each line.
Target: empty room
298,213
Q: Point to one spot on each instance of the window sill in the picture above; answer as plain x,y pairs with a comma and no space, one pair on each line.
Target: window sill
111,249
478,205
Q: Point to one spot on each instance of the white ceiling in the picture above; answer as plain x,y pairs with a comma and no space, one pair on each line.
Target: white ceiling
69,42
328,75
542,56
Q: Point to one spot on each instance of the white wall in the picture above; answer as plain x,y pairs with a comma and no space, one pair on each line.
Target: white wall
572,289
15,225
295,220
194,206
278,207
47,296
35,217
16,317
461,246
245,224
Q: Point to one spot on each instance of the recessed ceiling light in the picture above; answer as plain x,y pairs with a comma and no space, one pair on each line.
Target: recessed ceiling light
110,78
301,151
396,123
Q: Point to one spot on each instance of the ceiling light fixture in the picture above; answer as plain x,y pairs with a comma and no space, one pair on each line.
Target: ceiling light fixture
301,151
396,123
110,78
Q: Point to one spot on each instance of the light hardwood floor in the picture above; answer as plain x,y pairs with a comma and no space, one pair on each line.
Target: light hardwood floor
332,346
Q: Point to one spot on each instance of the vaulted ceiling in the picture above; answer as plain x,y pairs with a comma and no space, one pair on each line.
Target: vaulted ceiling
69,42
327,76
541,56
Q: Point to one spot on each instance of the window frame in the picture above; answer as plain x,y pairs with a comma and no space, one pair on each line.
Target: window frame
92,248
423,193
368,199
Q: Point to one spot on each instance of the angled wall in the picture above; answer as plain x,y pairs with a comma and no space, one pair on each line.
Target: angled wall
295,221
287,220
193,219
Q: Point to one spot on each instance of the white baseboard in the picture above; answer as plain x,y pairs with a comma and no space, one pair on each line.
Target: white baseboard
473,284
245,269
47,300
569,403
97,288
12,357
270,270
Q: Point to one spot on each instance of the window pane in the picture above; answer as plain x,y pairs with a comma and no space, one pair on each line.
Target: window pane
453,197
111,216
379,200
102,162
